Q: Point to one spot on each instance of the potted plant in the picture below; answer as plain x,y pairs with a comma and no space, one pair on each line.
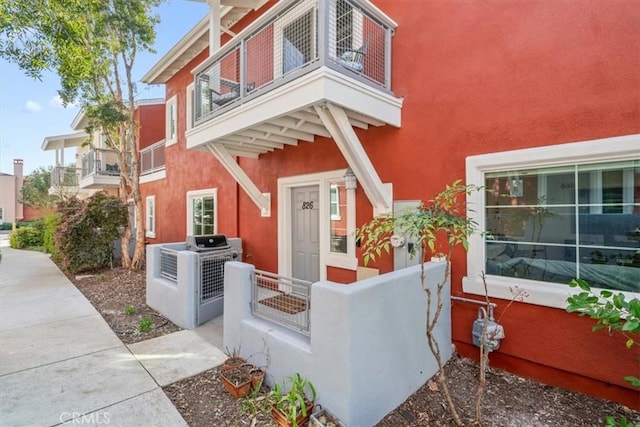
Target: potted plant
257,376
237,382
293,408
233,360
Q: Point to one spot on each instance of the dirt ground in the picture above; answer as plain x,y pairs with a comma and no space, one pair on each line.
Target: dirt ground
202,400
111,292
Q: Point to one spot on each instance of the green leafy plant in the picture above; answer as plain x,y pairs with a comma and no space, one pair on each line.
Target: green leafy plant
25,237
145,324
438,226
87,229
611,311
256,403
129,310
294,402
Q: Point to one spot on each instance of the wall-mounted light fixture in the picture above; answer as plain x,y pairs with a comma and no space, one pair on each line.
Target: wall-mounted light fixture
350,181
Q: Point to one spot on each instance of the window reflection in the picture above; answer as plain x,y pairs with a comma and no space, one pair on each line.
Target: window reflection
338,217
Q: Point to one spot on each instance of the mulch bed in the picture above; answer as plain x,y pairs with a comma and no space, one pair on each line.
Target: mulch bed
111,291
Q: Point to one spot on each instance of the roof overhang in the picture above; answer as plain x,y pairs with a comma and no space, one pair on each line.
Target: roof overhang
197,40
64,141
190,46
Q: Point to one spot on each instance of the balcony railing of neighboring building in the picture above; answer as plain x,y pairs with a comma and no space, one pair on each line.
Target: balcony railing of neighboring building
64,176
152,158
100,161
294,38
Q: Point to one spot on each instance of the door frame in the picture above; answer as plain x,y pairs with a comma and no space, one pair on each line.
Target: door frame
285,222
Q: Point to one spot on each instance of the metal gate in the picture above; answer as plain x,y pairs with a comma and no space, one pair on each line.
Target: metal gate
210,292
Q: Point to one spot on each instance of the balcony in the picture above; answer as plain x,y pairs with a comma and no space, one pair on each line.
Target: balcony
152,162
264,88
99,169
64,180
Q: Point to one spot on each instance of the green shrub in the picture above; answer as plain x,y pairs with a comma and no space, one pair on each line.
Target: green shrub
50,223
25,237
87,230
6,226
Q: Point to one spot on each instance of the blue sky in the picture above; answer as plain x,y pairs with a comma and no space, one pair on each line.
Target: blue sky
30,109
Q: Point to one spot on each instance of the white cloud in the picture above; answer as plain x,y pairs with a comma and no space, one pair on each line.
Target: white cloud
56,101
32,106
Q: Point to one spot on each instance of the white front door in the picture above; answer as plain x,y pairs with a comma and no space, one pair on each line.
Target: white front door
305,236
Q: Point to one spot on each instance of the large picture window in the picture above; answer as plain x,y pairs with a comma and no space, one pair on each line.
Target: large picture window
555,224
553,218
202,212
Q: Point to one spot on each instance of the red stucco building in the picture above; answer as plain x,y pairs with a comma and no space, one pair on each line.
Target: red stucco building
538,100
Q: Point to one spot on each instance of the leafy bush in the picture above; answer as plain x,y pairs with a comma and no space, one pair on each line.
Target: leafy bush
87,230
6,226
50,223
25,237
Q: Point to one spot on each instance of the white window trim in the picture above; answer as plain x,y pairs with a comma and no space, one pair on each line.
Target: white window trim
323,180
337,216
171,103
150,221
541,293
1,214
201,193
190,105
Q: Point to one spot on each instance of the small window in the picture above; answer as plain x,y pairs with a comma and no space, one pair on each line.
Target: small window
151,217
1,215
202,212
172,120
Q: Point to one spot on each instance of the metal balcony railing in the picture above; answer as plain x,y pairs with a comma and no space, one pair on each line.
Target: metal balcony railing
100,162
152,158
294,38
64,176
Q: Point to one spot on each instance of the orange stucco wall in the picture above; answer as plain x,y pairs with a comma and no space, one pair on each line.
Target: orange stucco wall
151,120
187,171
476,77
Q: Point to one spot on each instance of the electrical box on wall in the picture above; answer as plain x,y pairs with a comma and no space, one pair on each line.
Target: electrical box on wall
401,243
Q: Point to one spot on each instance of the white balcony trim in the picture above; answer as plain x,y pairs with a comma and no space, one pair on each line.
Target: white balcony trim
261,200
336,121
319,86
153,176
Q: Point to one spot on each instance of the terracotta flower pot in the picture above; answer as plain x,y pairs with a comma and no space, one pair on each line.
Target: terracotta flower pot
233,363
282,421
257,377
237,382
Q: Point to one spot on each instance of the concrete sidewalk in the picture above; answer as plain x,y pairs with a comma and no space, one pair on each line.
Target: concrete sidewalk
60,363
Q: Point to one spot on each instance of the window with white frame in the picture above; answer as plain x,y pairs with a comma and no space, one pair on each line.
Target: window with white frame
1,214
202,212
150,218
556,213
171,120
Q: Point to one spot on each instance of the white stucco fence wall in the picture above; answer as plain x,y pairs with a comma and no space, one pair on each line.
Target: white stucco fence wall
175,300
367,351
